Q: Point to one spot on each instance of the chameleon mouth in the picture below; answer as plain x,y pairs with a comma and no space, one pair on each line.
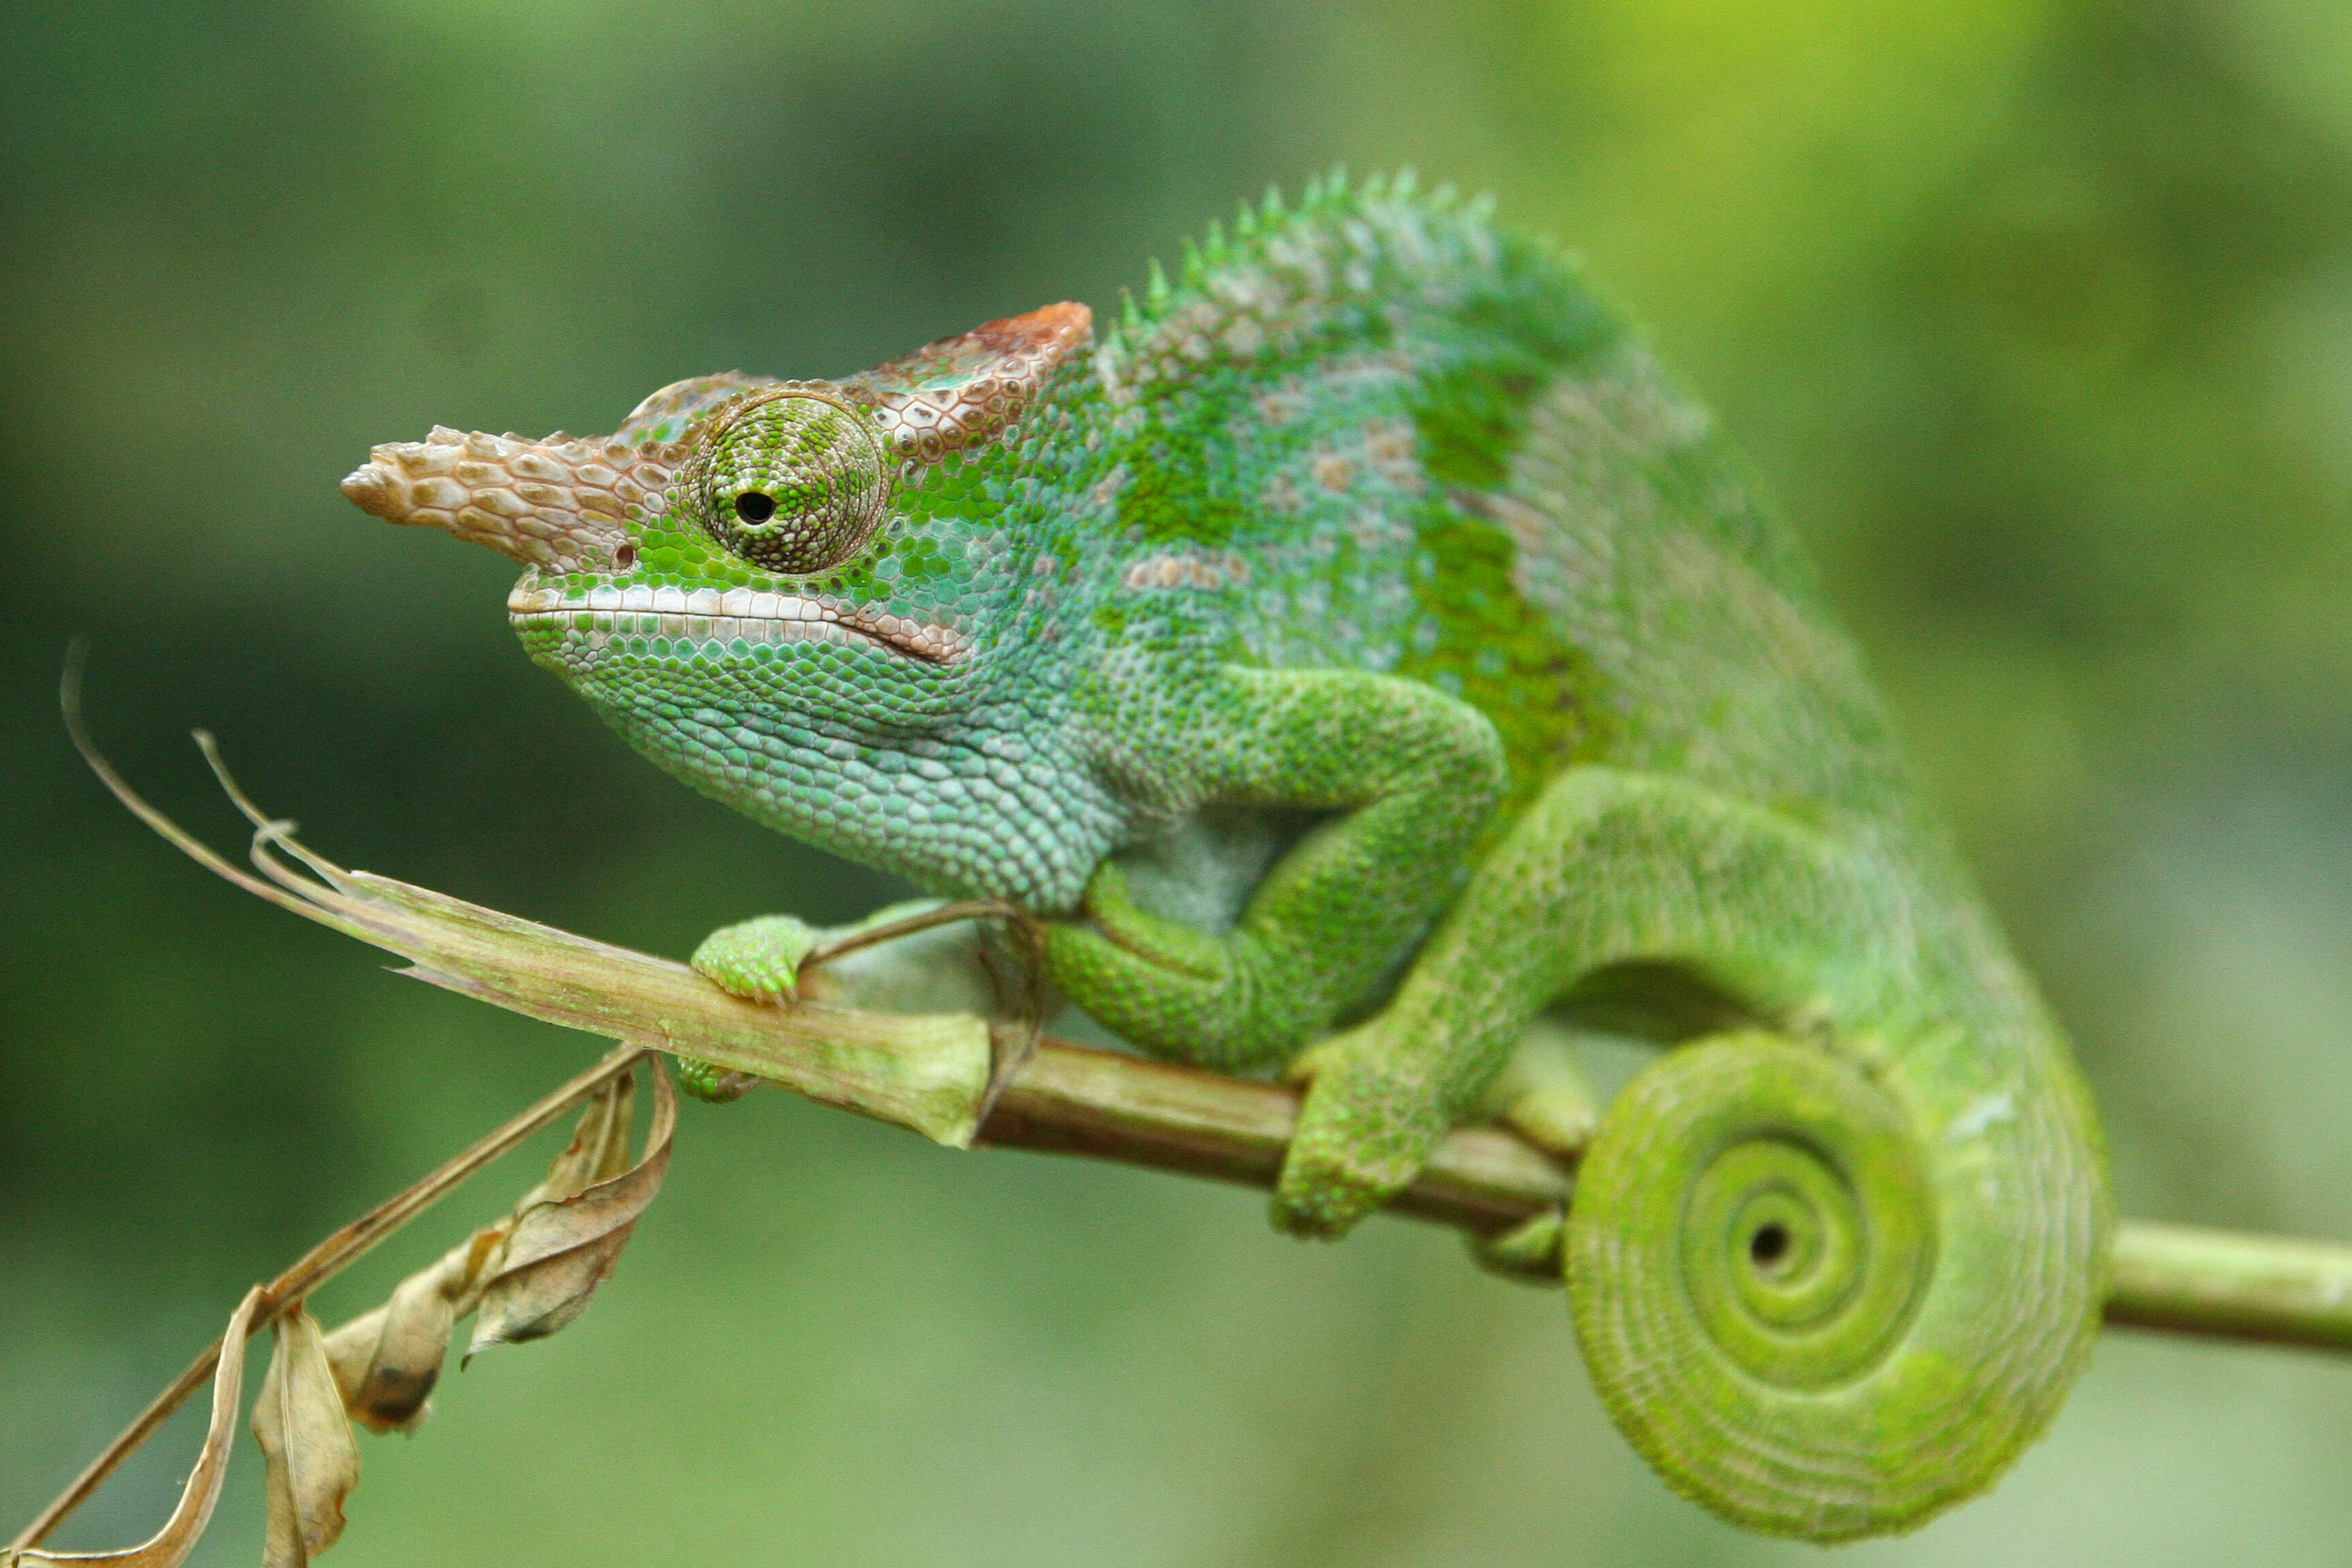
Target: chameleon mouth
734,615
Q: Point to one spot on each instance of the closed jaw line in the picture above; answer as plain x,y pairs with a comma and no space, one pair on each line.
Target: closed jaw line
712,615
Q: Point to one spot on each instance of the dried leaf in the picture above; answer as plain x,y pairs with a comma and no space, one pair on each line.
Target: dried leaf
313,1463
563,1248
387,1362
599,1149
350,1356
170,1546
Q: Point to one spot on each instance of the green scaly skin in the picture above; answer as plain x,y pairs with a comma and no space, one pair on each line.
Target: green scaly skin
1377,527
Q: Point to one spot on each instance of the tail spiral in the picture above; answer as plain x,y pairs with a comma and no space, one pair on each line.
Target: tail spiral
1779,1287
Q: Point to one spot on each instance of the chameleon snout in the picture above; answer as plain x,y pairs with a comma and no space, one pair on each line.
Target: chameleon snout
558,504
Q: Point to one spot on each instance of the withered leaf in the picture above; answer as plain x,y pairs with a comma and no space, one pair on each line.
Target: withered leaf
563,1246
313,1463
170,1546
386,1362
599,1149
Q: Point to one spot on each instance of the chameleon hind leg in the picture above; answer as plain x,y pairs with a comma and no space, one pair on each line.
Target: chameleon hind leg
1831,1271
1606,867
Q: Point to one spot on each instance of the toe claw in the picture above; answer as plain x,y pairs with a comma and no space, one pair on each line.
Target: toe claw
709,1080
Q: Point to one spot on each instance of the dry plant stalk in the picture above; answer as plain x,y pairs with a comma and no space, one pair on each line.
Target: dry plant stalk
528,1275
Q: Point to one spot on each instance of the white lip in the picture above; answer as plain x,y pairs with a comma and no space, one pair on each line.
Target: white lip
735,614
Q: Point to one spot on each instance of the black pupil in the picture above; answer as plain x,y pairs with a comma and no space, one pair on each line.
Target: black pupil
755,505
1768,1245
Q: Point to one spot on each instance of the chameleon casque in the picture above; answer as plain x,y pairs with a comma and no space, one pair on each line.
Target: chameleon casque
1359,654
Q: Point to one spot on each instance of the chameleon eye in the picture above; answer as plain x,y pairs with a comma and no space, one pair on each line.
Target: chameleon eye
793,481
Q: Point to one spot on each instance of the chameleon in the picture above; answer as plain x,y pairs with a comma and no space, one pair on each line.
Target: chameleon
1361,657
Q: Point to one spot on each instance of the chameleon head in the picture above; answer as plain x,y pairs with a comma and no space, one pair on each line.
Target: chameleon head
793,479
803,597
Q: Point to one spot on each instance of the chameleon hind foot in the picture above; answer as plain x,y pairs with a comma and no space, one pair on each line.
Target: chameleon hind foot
1542,1094
1373,1113
1531,1252
1365,1130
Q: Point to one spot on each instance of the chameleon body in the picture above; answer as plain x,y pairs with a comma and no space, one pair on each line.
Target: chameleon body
1357,653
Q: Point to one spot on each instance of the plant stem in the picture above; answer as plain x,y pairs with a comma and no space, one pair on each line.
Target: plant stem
2230,1285
1069,1099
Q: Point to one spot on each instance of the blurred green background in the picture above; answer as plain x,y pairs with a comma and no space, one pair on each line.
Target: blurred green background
2039,313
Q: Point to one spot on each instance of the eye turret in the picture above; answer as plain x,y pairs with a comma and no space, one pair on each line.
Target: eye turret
794,481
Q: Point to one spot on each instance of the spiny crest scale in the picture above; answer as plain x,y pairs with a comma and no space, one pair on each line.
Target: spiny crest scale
1284,278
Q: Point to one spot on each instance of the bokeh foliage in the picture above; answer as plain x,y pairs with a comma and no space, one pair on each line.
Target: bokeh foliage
2035,310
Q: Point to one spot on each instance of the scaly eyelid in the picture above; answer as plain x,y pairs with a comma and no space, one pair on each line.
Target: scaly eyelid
804,441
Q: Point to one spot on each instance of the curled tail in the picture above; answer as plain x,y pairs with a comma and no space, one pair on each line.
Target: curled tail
1829,1302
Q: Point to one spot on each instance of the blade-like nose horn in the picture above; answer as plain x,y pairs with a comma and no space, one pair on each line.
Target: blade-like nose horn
557,504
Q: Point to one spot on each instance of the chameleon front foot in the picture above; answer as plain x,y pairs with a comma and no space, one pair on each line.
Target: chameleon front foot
709,1080
758,960
941,969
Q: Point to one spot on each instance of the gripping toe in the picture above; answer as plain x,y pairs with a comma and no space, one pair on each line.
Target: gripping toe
758,960
1364,1132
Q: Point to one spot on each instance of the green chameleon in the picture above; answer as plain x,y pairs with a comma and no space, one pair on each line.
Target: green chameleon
1364,658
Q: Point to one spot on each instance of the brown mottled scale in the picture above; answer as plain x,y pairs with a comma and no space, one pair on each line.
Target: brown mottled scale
960,391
